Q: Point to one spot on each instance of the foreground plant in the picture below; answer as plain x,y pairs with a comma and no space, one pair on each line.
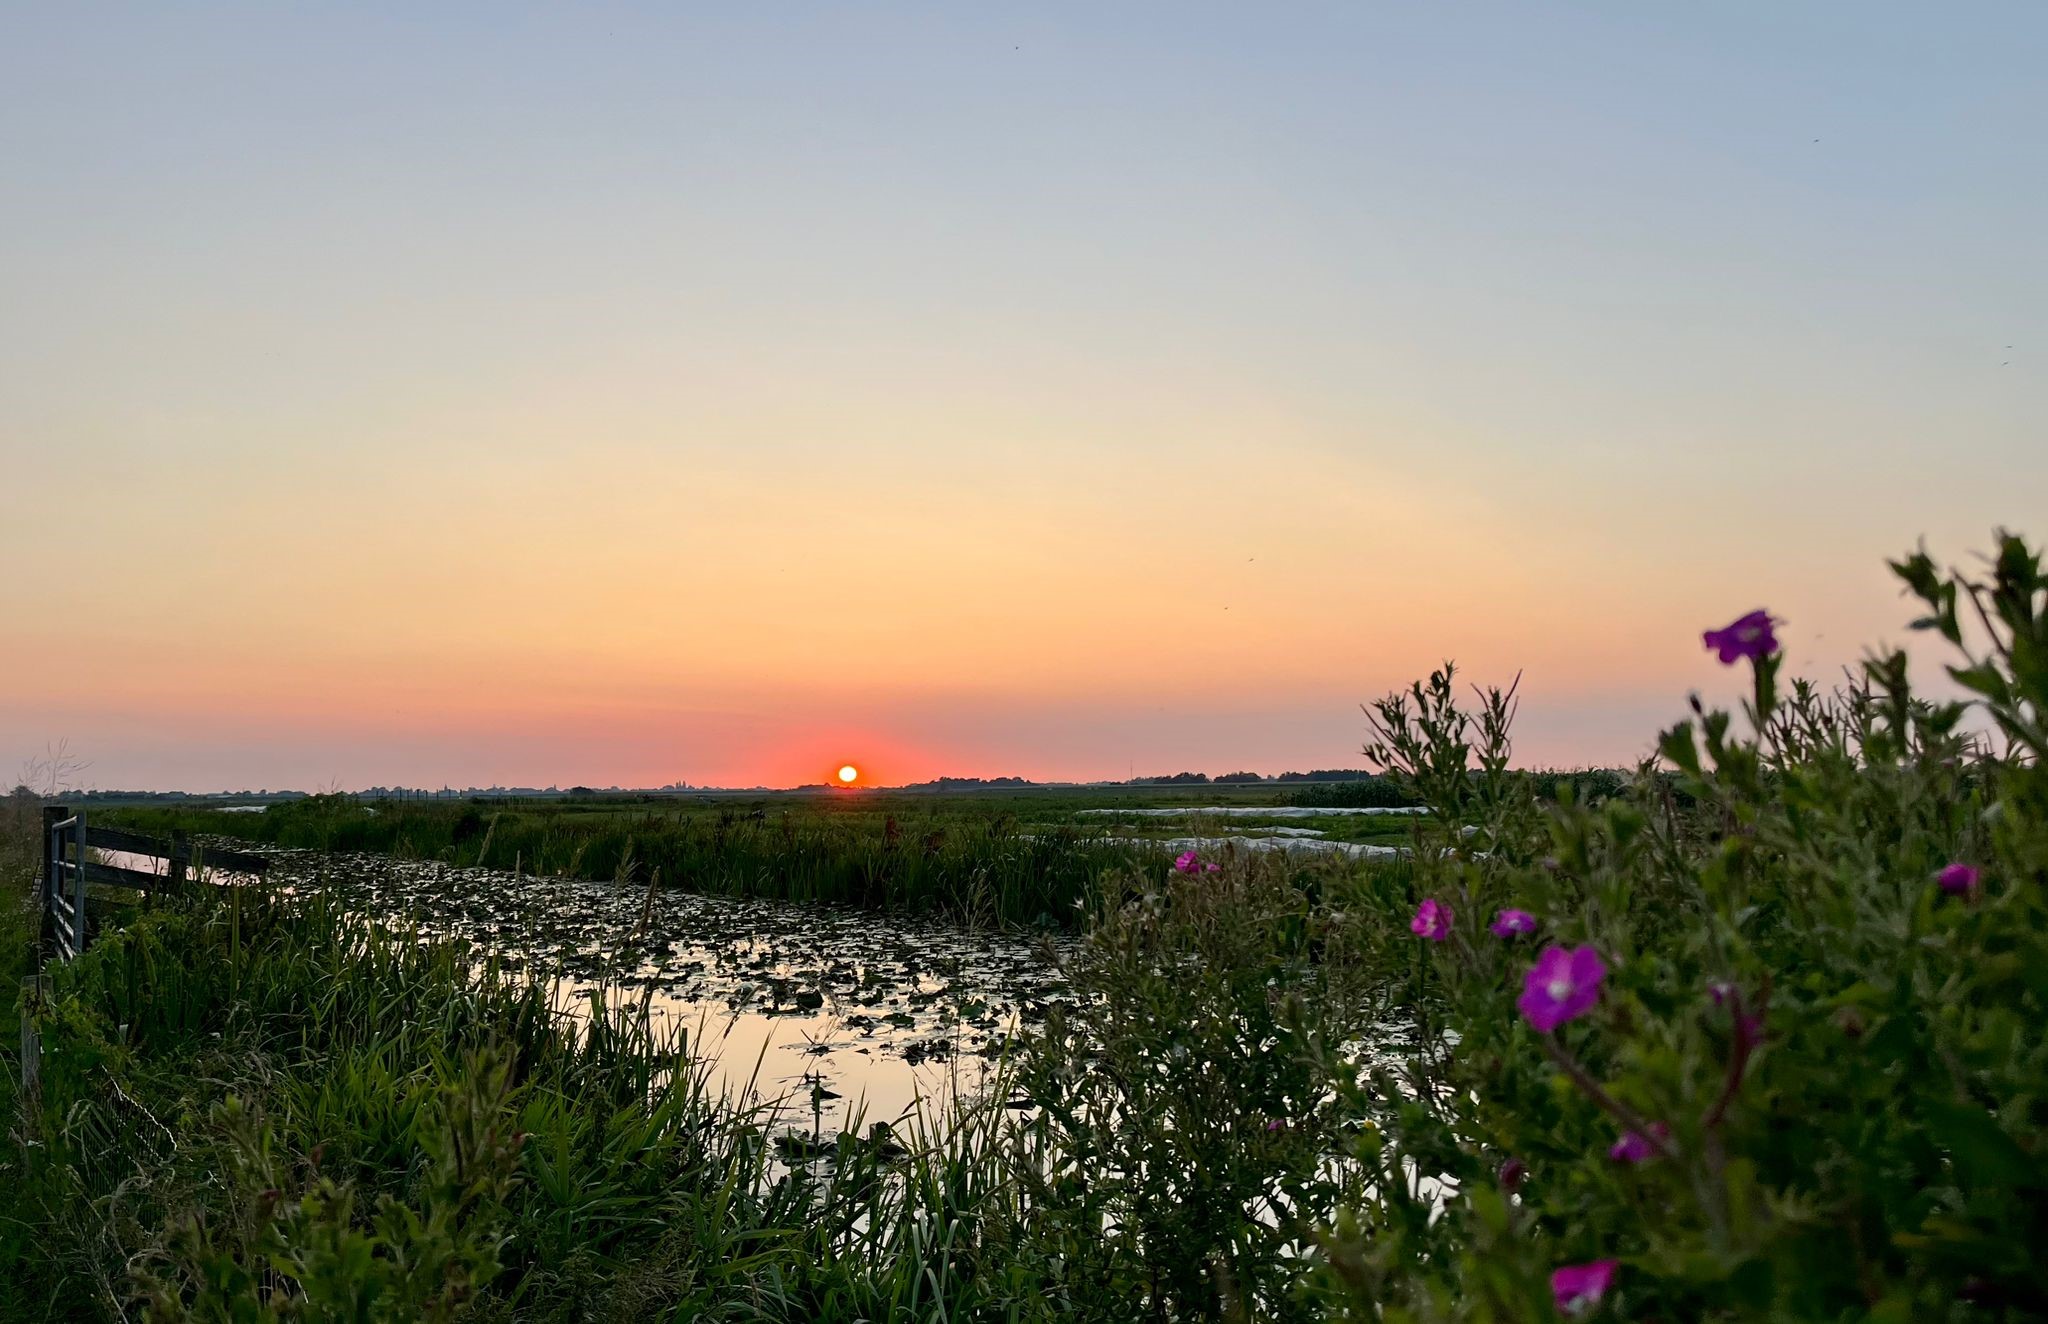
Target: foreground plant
287,1113
1786,1053
1185,1132
316,1253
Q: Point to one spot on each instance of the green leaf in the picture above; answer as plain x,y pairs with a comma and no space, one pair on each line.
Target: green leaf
1983,1154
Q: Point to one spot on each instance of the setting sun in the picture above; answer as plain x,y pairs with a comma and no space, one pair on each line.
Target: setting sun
1213,462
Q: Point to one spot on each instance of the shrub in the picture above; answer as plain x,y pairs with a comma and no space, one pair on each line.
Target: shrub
1183,1127
1365,793
1779,1054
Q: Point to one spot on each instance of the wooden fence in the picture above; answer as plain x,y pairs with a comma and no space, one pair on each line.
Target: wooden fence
71,869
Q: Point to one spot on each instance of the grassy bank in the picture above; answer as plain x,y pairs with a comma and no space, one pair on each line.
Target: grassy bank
1020,859
233,1104
270,1112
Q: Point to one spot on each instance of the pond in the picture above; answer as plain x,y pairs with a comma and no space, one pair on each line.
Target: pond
842,1016
1256,811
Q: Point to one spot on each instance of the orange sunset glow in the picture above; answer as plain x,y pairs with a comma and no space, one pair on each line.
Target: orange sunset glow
392,466
1052,662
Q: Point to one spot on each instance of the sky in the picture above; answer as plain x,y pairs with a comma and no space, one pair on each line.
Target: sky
528,395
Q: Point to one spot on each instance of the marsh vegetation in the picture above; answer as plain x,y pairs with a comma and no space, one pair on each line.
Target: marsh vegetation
1752,1032
985,859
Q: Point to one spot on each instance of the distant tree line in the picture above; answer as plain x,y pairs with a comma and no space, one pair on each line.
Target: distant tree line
1247,778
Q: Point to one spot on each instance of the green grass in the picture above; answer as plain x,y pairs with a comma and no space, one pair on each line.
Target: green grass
242,1100
999,856
20,826
224,1092
1008,857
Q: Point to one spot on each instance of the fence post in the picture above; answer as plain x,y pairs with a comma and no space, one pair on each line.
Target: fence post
31,1043
181,856
53,876
78,930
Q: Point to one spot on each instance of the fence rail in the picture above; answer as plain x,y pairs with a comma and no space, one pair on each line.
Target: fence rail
65,861
69,869
68,875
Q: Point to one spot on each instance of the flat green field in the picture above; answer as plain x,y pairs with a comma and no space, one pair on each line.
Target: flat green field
1013,856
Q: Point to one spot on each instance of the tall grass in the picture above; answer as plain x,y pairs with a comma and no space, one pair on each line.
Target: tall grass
291,1111
979,864
20,856
278,1111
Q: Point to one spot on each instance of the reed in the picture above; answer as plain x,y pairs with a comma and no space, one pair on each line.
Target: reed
979,861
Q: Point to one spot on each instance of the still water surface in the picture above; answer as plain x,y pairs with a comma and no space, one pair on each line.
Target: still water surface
840,1014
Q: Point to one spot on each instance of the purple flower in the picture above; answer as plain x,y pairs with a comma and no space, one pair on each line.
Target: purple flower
1635,1147
1512,1174
1748,637
1578,1288
1720,991
1275,1125
1432,920
1189,862
1562,984
1510,922
1959,879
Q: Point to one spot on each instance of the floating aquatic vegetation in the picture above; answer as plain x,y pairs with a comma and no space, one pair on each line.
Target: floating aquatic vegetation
884,1010
1256,811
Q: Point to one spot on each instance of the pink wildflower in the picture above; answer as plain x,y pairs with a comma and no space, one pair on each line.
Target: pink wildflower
1635,1147
1510,922
1561,985
1748,637
1959,879
1578,1288
1432,920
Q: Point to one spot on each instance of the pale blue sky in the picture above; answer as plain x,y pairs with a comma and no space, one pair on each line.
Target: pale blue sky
395,343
